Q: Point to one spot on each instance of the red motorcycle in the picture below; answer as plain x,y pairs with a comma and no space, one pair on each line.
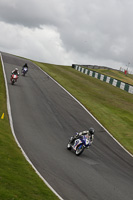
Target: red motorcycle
14,78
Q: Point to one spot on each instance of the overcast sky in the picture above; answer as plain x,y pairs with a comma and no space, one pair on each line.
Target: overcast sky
98,32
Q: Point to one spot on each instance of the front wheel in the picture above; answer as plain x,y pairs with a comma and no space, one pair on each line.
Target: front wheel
69,146
12,82
79,150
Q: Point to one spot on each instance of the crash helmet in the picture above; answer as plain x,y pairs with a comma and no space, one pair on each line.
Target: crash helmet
91,131
16,69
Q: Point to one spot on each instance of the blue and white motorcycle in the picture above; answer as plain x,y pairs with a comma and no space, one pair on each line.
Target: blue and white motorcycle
78,145
24,71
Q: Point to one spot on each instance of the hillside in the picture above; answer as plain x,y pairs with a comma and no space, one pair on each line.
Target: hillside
112,106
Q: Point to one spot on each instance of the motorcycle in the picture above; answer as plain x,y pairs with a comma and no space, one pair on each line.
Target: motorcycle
24,71
78,145
14,78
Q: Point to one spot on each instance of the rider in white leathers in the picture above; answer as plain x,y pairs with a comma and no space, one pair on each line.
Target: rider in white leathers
15,71
89,134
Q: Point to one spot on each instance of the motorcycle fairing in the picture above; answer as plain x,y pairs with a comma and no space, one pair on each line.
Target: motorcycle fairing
76,143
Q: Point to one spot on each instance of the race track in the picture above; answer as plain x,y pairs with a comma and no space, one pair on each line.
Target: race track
44,117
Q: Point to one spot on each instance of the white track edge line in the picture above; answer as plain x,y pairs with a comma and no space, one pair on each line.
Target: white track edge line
87,112
13,132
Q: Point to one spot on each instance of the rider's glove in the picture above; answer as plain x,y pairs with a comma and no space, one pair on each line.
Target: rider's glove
76,136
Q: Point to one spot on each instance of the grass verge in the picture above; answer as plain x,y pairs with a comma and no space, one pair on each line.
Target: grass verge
18,180
112,106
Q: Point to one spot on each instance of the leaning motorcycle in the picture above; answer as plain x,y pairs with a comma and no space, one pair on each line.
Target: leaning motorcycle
78,145
14,78
24,71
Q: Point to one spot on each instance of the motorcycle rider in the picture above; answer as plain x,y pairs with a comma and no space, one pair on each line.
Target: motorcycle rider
25,65
15,72
89,134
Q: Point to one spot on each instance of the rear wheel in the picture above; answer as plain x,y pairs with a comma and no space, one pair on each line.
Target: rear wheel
79,150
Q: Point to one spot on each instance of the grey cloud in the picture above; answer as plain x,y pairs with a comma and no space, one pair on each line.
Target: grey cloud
89,29
32,13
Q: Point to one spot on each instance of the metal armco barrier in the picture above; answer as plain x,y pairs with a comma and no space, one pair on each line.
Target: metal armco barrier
105,78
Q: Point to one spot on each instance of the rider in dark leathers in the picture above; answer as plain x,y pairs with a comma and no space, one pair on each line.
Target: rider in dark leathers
25,65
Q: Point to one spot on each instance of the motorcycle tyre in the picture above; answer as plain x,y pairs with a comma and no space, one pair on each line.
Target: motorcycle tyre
12,82
69,147
23,73
79,151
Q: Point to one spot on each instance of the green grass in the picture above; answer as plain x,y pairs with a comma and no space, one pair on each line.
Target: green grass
112,106
18,180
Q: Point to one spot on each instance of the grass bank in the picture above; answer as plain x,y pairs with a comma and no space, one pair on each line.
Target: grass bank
112,106
18,181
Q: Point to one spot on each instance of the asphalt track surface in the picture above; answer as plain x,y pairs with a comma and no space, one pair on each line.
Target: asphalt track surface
44,117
